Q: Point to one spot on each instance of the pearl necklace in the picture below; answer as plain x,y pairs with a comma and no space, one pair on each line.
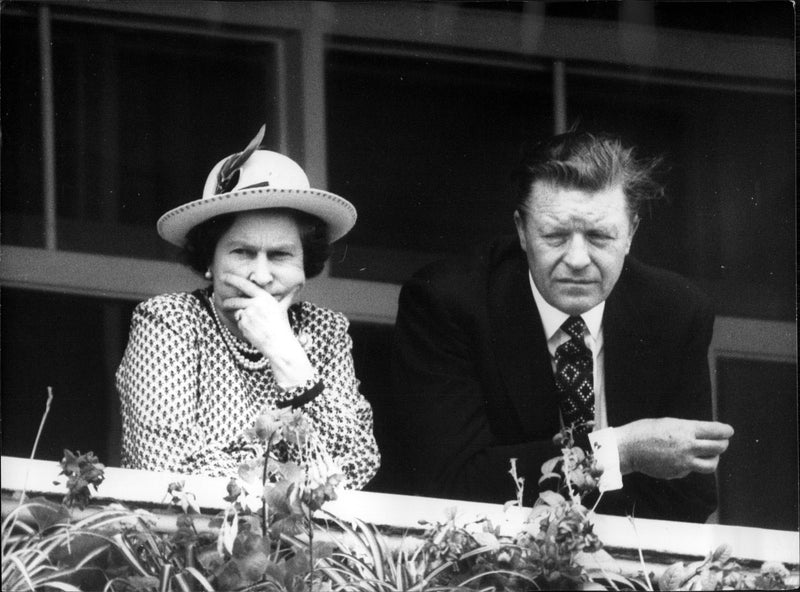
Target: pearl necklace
239,349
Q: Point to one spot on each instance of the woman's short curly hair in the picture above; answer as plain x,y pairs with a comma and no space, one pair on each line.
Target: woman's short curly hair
201,241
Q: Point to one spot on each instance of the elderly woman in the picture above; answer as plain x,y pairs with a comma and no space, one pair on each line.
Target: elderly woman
199,367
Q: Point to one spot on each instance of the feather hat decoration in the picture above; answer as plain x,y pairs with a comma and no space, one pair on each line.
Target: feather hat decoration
257,179
226,180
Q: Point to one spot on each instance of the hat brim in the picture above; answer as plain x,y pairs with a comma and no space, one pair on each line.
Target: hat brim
338,213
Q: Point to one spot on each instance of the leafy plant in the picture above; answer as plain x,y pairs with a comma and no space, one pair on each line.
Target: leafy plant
83,471
33,535
253,544
446,557
43,548
552,547
275,536
575,471
718,571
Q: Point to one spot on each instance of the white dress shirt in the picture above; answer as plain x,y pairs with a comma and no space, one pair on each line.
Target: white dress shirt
603,439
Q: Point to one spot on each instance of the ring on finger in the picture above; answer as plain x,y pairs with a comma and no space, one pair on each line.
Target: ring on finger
238,315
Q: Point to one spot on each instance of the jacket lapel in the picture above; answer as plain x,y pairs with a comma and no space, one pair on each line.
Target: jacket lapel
520,349
628,352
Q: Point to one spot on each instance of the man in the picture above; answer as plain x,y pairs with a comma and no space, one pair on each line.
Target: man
558,326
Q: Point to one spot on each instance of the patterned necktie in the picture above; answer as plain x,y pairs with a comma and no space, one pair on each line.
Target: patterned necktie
575,378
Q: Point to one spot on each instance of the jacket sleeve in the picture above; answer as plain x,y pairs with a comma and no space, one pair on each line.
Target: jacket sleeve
341,414
157,384
694,497
442,440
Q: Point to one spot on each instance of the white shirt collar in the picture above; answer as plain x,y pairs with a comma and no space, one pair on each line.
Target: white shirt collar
552,318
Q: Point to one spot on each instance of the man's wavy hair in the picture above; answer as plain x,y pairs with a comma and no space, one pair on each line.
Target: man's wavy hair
588,162
201,241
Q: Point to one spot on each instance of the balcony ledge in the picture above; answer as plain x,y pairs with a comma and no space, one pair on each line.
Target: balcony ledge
661,541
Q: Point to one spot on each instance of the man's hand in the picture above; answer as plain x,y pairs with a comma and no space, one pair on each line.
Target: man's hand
669,448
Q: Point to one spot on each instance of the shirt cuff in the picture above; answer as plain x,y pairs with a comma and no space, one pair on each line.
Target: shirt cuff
606,452
304,396
297,396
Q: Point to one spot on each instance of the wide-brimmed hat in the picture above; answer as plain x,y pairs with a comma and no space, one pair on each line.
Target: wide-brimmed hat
252,180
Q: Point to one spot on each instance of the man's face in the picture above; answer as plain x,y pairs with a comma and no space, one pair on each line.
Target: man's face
575,242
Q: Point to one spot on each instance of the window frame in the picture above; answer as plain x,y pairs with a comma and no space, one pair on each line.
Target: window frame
304,32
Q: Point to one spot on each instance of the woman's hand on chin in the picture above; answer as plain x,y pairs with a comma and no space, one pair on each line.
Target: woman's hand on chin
264,321
261,317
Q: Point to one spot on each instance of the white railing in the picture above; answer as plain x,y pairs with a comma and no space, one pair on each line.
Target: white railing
655,537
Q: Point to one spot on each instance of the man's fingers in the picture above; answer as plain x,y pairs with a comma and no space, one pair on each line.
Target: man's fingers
709,448
712,430
705,465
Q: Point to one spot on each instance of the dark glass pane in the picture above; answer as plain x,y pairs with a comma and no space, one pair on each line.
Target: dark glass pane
771,18
758,473
44,343
729,222
761,19
20,103
424,149
372,349
141,118
72,344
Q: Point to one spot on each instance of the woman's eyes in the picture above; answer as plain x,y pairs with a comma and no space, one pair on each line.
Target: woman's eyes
244,252
280,254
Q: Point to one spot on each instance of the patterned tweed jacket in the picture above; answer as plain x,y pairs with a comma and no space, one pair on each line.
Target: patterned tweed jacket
186,400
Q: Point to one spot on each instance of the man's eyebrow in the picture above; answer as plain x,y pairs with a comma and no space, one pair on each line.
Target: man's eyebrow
601,226
551,221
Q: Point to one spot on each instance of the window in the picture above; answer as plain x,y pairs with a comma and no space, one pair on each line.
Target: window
729,220
141,116
22,222
423,147
414,112
73,345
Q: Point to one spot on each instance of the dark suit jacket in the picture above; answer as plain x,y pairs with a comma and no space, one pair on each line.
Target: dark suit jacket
474,387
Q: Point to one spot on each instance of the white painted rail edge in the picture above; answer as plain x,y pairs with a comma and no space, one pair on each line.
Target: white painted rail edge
405,512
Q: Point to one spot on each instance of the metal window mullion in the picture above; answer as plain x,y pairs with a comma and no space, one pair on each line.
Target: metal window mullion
522,62
313,92
282,92
617,71
677,80
559,98
48,129
313,100
134,24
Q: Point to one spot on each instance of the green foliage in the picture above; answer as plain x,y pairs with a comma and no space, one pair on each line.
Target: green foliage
445,558
43,549
575,472
82,471
718,571
266,540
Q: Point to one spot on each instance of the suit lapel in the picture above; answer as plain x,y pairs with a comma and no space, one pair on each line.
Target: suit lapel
628,352
519,345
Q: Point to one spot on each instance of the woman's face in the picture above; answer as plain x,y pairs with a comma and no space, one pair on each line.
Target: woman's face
264,247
